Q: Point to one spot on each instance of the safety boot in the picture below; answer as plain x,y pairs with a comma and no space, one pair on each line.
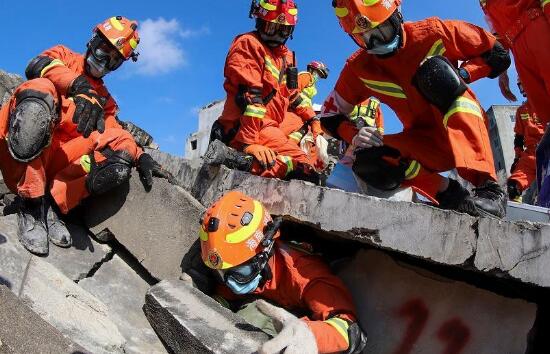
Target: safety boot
32,230
490,199
220,154
58,233
458,198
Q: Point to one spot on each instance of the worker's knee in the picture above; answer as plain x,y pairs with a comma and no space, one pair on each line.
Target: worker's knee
31,123
110,173
374,168
438,81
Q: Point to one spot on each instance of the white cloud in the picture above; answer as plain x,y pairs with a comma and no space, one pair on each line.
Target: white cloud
160,46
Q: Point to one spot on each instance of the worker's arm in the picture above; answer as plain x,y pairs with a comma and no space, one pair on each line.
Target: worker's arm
519,130
482,55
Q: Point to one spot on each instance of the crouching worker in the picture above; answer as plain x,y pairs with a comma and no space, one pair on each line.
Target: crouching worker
260,77
59,138
240,243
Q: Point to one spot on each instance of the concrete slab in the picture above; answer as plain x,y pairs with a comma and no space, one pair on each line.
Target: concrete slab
8,83
123,292
158,227
190,322
23,331
409,310
13,257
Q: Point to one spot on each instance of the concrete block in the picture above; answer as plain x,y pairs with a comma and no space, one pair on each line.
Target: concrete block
123,292
190,322
23,331
73,311
8,83
158,227
409,310
13,257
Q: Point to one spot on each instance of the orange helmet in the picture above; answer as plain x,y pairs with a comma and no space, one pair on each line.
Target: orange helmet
283,12
235,229
122,34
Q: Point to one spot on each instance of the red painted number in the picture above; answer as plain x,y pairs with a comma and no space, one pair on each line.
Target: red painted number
417,313
456,334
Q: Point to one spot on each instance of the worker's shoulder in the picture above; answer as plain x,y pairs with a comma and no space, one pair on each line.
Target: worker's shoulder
62,49
358,57
247,39
433,24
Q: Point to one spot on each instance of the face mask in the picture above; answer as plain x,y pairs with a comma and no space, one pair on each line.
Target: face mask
96,68
273,41
242,289
385,48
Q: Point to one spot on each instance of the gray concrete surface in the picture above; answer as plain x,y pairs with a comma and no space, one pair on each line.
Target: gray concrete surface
190,322
8,83
23,331
123,292
158,227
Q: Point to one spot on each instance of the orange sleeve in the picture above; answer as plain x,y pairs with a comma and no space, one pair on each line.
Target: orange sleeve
518,127
467,43
304,80
57,72
244,66
379,120
304,111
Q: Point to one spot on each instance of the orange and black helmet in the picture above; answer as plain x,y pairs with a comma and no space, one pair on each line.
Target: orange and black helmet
358,16
233,231
122,34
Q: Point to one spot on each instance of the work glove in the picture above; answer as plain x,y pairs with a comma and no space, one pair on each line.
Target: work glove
504,84
147,168
89,115
265,156
316,129
368,137
294,336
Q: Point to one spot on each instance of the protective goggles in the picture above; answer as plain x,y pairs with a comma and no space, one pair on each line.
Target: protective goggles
272,29
382,34
105,52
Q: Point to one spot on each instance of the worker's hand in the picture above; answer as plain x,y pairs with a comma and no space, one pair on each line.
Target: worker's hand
504,84
88,115
294,336
147,168
368,137
265,156
316,128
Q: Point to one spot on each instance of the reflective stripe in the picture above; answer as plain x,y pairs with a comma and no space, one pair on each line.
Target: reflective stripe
222,301
267,5
463,105
341,11
525,116
381,130
53,64
272,68
86,163
297,136
117,24
133,43
255,111
203,235
413,170
386,88
437,49
543,3
370,2
245,232
293,12
306,101
288,161
341,327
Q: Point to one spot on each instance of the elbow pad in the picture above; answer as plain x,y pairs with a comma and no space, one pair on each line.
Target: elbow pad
35,67
331,123
498,58
519,142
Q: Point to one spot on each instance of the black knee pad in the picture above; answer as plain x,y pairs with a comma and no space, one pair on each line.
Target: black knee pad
438,81
377,172
111,173
31,124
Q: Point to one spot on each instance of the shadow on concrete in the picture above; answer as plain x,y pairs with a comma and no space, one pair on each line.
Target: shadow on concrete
81,239
5,282
3,239
106,205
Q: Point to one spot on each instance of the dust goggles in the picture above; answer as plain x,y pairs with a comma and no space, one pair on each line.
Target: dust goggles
105,52
382,34
272,29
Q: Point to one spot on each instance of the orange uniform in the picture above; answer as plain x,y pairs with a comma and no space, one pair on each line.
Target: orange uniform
58,168
524,27
301,101
258,101
531,129
432,141
304,282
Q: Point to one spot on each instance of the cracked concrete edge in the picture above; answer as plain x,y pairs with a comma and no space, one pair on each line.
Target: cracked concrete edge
97,266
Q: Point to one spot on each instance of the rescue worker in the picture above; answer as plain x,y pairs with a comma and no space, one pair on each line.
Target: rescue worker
260,78
523,25
250,261
412,67
59,138
528,132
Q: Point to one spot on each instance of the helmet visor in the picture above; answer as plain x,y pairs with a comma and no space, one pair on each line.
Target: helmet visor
272,29
106,53
244,273
382,34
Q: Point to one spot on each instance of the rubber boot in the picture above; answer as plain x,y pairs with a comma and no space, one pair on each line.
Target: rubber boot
458,198
58,233
490,199
220,154
32,229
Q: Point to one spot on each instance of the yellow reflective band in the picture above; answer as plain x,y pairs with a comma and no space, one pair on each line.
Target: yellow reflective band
413,170
272,68
255,111
116,24
525,116
341,11
245,232
380,130
463,105
222,301
297,136
133,43
370,2
267,6
437,49
370,121
53,64
288,161
293,12
543,3
341,326
386,88
86,163
306,101
203,235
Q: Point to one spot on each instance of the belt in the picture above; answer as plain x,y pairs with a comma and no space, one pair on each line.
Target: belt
519,25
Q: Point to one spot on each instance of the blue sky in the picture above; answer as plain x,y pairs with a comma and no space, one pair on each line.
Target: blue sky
184,44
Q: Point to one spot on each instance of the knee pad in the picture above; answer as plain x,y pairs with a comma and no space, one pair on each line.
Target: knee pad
371,166
438,81
111,173
31,124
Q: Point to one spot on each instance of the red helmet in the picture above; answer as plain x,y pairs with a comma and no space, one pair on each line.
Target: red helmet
282,12
319,67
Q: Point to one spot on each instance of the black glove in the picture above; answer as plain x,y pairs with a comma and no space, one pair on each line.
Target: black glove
89,115
147,168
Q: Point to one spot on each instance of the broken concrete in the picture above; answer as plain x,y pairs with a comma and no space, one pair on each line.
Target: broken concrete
8,83
424,313
158,227
190,322
123,292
